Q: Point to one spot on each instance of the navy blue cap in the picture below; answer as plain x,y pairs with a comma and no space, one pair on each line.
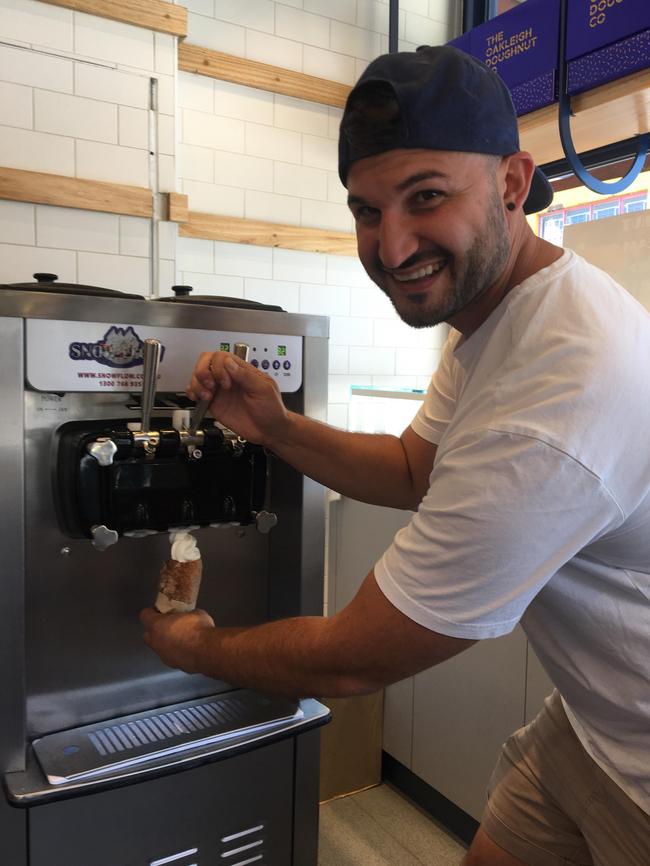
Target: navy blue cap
446,99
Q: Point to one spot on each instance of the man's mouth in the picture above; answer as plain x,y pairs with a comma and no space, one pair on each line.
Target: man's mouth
420,273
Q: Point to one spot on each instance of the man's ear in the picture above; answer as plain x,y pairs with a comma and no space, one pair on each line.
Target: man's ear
517,173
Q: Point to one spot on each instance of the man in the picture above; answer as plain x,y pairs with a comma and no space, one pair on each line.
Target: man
528,466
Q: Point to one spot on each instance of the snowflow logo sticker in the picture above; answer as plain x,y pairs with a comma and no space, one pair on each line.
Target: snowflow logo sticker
119,347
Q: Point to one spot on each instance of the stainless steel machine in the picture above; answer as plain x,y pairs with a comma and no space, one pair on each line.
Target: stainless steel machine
109,758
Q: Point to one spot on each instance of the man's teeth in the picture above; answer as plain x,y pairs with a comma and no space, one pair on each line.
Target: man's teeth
422,272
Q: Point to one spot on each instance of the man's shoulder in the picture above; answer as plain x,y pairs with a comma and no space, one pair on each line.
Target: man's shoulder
580,300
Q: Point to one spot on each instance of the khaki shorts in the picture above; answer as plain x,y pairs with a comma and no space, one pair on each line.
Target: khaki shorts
550,804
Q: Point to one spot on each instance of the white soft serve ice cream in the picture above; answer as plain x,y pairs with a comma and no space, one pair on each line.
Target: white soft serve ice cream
184,548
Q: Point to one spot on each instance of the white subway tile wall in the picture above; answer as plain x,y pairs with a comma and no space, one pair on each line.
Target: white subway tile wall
75,95
369,344
17,223
207,31
325,38
74,100
18,262
113,42
16,105
64,228
34,23
213,198
124,273
79,246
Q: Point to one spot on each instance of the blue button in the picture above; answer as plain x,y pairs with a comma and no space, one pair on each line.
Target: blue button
255,362
70,750
265,364
287,365
276,365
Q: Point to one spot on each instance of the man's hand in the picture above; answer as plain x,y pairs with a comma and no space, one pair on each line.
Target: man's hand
244,399
178,638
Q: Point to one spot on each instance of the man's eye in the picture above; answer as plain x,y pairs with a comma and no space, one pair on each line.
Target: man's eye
426,195
364,213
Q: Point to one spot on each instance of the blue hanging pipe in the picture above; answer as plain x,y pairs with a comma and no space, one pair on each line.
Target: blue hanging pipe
588,179
393,23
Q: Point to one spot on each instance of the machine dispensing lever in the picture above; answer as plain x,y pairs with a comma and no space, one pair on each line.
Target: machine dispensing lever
239,349
150,363
103,537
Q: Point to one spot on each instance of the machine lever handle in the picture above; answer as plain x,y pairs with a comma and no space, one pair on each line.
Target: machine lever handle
239,349
150,362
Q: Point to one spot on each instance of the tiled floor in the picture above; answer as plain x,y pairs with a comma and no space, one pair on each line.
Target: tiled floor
379,827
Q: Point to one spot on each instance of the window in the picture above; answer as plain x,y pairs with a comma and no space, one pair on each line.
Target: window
505,6
475,12
577,215
635,203
551,227
606,209
580,205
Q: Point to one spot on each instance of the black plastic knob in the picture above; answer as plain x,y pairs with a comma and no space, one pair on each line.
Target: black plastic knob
182,291
46,278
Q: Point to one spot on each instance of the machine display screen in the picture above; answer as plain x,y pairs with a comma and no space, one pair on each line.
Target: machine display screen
282,350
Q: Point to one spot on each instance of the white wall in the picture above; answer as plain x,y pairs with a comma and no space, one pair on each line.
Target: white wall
75,100
332,39
248,153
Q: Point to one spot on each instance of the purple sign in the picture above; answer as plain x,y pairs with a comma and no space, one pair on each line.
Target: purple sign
609,62
462,43
591,24
520,44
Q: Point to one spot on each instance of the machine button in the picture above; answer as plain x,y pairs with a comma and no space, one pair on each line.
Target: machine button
287,365
103,450
265,364
103,537
265,521
255,362
276,365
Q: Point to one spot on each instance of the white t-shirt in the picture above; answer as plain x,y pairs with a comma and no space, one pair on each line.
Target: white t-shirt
539,501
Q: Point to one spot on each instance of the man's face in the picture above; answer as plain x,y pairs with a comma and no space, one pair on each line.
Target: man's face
431,230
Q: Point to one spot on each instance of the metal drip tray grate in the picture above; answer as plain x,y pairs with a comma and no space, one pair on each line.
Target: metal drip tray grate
94,750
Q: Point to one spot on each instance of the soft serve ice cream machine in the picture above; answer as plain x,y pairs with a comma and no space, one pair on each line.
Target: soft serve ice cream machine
108,757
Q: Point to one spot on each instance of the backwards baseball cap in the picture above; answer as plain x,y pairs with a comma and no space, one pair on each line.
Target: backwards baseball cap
438,98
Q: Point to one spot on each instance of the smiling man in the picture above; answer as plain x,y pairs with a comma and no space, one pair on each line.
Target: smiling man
527,466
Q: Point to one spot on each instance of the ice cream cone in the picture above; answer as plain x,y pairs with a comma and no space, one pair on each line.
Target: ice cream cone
180,576
179,585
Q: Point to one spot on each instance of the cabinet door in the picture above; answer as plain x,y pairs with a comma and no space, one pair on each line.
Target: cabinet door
398,720
463,710
233,811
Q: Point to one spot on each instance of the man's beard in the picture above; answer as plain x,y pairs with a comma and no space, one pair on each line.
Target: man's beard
484,262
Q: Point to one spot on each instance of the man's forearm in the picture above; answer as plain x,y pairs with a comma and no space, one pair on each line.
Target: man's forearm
294,657
365,646
365,466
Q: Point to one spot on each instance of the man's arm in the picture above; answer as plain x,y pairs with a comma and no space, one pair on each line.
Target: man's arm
375,468
366,646
380,469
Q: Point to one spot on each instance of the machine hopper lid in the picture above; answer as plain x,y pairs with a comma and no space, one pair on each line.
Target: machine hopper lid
48,283
182,295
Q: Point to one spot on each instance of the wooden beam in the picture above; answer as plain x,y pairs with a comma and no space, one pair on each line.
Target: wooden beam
177,207
205,61
607,114
243,231
150,14
62,191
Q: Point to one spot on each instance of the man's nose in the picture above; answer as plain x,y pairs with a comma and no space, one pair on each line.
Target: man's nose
397,240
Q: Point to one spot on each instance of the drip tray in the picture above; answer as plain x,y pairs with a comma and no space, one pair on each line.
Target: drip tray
95,750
